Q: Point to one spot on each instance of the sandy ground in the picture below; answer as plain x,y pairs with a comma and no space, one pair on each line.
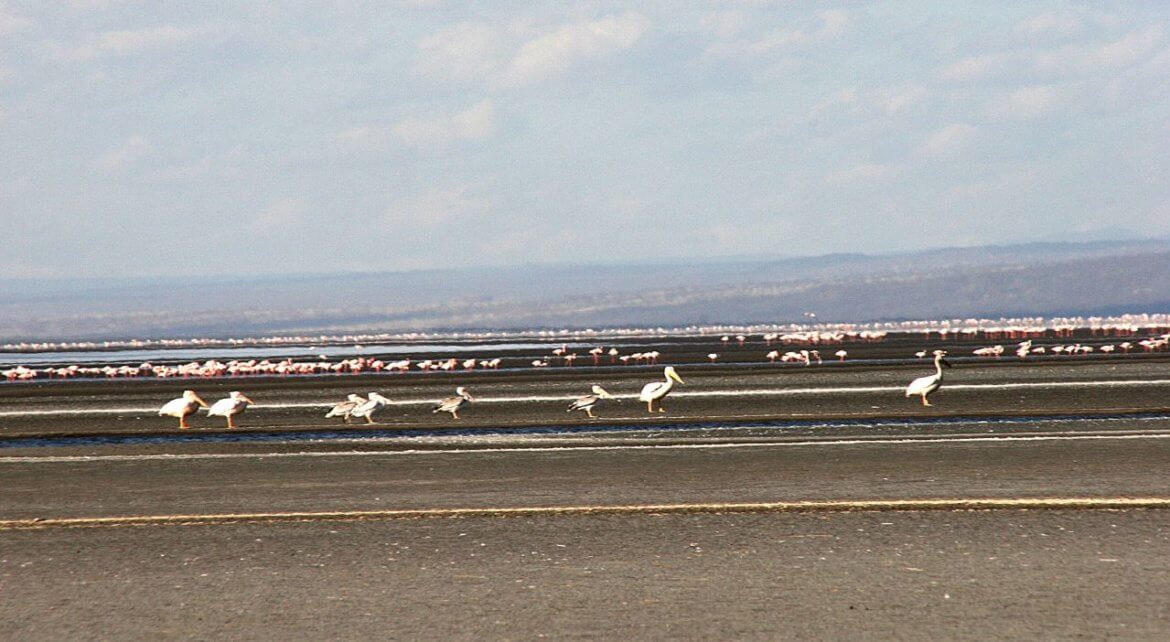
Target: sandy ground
733,434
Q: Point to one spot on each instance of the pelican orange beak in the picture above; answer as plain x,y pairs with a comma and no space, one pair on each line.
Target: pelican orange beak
674,375
244,398
199,400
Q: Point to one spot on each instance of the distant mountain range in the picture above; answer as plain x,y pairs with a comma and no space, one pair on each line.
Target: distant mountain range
1041,279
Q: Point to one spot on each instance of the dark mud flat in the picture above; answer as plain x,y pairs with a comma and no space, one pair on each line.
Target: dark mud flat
539,398
912,576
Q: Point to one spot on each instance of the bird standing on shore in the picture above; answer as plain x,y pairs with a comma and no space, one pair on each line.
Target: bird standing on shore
188,404
453,404
373,403
235,403
925,385
589,402
657,390
344,409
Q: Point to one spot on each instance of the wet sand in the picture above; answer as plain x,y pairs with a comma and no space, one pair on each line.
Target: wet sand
1094,429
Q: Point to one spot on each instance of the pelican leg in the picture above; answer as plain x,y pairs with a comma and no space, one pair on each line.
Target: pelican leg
231,424
454,414
649,406
369,419
182,423
925,402
661,408
589,411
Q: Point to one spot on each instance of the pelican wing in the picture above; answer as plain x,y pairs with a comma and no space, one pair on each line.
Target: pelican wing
342,409
653,390
175,408
222,408
581,403
920,385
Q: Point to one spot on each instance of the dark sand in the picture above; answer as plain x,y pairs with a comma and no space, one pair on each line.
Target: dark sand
1037,574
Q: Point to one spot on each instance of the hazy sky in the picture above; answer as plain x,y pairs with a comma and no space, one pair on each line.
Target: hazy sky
151,138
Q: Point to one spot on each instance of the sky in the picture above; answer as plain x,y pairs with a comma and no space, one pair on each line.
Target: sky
169,138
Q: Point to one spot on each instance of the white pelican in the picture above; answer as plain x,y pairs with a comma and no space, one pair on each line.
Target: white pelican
374,402
181,407
589,402
926,385
234,404
657,390
453,404
345,408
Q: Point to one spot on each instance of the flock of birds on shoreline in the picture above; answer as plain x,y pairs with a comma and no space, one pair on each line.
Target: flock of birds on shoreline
356,406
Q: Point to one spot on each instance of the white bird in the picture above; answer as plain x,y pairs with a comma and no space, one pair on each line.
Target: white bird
926,385
657,390
181,407
374,402
344,409
235,403
589,402
453,404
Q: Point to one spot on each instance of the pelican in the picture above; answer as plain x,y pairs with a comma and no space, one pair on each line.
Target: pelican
657,390
374,402
235,403
926,385
589,402
344,409
181,407
453,404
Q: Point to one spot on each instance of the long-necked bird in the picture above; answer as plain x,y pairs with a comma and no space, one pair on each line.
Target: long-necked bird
453,404
925,385
188,404
589,402
657,390
344,409
373,403
235,403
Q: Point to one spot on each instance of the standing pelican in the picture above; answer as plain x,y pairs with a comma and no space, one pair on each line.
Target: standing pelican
589,402
926,385
235,403
657,390
344,409
373,403
181,407
453,404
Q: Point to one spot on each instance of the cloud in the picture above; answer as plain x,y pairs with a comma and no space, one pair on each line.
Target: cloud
464,51
127,43
1127,50
473,123
947,141
555,52
898,98
724,24
435,207
117,158
861,173
12,22
1062,24
284,213
1026,103
825,26
974,67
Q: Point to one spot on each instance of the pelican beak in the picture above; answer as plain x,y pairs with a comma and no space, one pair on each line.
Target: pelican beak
199,400
247,399
674,375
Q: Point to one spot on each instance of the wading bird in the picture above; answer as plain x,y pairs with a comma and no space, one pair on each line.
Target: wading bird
374,402
453,404
657,390
926,385
589,402
181,407
345,408
235,403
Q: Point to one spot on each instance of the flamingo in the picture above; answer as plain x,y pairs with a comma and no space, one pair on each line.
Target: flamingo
926,385
234,404
657,390
589,402
188,404
453,404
